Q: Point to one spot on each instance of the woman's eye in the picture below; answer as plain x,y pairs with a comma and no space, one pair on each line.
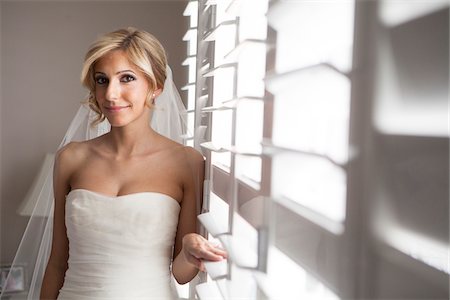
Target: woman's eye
101,80
127,78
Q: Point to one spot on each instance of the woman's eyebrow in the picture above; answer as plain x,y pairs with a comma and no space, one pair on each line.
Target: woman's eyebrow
123,71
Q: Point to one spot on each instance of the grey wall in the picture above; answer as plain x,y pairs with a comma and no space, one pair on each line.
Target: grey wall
42,48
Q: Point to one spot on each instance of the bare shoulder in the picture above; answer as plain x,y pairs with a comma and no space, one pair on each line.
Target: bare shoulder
193,155
186,159
69,156
70,151
190,158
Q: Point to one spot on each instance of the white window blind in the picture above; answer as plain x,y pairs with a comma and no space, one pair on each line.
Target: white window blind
189,96
410,220
322,179
190,62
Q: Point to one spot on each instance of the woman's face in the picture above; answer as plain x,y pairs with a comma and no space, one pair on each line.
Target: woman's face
121,89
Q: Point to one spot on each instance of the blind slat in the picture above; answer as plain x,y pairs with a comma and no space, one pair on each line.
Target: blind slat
191,9
242,7
188,86
189,60
208,109
216,269
210,35
243,287
211,72
278,81
190,34
395,13
211,147
270,149
187,137
234,53
213,224
310,215
235,150
208,291
230,104
239,253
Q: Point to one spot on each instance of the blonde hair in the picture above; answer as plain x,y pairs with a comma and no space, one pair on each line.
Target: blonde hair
141,48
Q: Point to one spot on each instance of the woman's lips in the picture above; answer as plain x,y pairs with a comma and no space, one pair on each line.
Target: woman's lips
116,108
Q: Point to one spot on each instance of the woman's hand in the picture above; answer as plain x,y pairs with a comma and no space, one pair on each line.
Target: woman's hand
196,249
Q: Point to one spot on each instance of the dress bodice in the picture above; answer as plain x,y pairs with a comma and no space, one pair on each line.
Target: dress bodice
119,247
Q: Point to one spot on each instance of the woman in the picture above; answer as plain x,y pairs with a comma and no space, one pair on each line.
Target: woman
125,199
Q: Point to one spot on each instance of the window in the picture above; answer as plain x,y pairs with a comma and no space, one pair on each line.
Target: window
312,153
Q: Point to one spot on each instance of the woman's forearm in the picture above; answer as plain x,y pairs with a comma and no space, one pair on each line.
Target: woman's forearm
182,270
52,282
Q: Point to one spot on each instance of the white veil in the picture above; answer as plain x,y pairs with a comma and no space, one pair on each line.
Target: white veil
169,119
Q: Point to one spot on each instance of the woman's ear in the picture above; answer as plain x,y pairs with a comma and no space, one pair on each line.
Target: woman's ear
151,97
156,93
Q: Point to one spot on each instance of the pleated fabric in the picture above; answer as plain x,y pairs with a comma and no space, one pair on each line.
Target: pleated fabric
119,247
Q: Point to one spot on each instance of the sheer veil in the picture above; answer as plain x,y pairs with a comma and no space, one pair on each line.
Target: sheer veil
168,118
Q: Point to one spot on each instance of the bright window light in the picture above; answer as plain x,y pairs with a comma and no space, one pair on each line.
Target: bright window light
221,120
191,38
251,70
249,129
191,122
221,13
242,286
242,245
191,63
224,42
249,125
191,11
221,137
191,97
252,27
247,234
316,104
252,8
223,86
287,280
312,32
219,208
248,169
311,181
430,251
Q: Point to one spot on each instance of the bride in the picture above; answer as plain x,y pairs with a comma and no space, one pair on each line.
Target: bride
125,202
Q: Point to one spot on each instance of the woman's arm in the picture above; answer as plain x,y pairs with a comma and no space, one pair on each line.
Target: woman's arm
190,247
57,264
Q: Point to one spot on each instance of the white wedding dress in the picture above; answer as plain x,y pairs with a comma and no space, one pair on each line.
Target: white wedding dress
119,247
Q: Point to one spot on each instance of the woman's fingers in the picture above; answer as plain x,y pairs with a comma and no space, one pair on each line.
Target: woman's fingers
220,251
211,255
197,249
205,254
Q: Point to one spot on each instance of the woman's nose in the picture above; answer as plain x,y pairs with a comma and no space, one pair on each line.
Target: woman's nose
112,91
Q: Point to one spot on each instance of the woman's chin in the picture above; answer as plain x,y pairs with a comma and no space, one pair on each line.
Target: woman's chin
122,119
115,122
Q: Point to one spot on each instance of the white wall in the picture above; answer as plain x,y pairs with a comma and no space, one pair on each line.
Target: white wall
42,48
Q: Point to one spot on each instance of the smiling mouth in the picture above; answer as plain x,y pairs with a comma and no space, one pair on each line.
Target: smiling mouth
116,108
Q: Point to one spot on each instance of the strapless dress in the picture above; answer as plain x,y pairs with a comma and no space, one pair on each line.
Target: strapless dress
119,247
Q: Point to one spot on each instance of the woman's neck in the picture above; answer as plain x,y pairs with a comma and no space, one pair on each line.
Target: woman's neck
133,139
